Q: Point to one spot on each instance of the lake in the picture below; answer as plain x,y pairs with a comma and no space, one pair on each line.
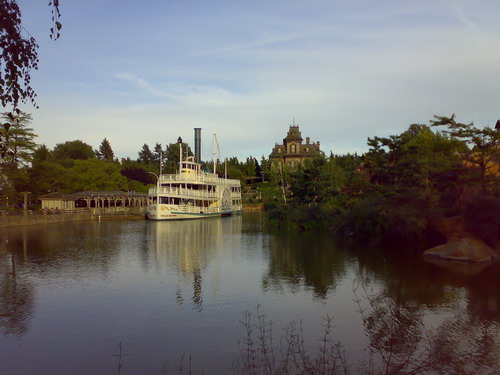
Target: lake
167,291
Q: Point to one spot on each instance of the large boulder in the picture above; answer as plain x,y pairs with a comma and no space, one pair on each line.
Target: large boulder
460,245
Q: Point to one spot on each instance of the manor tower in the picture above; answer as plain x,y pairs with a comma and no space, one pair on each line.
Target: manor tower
293,152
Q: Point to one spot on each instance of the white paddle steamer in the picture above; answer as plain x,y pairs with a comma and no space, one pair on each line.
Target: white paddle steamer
192,193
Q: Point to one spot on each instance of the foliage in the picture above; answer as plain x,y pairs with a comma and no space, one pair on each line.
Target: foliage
482,216
19,138
72,166
389,193
171,156
105,152
145,155
484,151
18,54
158,154
74,150
134,170
239,170
261,353
16,155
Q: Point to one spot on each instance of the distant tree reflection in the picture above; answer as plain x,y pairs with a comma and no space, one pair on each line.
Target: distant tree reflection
304,261
16,297
404,339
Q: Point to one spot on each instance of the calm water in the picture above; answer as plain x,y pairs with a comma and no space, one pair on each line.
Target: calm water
69,294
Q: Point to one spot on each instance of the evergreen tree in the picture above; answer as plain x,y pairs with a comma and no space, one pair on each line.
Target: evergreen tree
18,139
158,154
41,154
105,151
146,157
171,158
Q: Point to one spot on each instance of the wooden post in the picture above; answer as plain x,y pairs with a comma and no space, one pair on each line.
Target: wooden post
25,208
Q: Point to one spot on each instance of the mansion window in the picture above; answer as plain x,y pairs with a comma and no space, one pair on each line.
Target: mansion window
293,149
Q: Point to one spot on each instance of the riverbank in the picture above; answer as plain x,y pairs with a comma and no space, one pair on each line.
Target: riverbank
43,217
253,207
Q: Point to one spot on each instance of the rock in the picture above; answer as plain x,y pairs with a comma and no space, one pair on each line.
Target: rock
466,249
460,245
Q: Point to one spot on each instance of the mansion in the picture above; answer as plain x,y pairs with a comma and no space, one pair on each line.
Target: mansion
293,151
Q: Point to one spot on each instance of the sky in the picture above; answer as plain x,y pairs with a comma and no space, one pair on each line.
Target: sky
139,72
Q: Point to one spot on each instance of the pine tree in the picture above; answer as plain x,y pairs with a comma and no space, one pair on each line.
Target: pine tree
105,151
158,154
18,139
145,155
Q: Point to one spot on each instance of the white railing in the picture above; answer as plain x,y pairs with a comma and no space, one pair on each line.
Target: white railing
195,209
189,193
203,177
183,192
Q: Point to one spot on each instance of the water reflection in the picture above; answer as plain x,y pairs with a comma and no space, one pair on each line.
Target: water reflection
304,261
16,295
402,340
57,254
151,282
189,246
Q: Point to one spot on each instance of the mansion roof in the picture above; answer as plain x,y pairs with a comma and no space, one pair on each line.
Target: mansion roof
293,150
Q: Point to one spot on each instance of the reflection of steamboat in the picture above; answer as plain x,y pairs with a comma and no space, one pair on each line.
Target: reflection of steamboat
192,193
190,248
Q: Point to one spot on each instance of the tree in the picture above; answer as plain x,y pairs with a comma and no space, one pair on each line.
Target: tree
46,176
18,55
484,146
314,183
136,171
41,154
19,139
77,150
171,159
105,151
145,155
158,154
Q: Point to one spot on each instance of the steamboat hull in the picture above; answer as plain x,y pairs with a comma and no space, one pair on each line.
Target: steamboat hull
167,214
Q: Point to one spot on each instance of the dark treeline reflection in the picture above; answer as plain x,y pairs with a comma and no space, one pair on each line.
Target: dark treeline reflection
299,260
78,251
16,297
419,317
318,261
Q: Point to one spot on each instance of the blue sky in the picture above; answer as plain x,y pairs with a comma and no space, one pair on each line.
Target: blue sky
140,72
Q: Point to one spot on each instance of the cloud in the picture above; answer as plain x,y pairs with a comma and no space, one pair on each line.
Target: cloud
345,71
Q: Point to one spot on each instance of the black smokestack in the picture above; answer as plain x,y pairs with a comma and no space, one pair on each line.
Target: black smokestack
197,144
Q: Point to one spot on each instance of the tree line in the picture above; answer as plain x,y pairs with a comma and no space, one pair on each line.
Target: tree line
395,190
392,191
75,166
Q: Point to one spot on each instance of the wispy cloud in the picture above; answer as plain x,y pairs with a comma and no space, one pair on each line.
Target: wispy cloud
344,70
460,14
141,84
